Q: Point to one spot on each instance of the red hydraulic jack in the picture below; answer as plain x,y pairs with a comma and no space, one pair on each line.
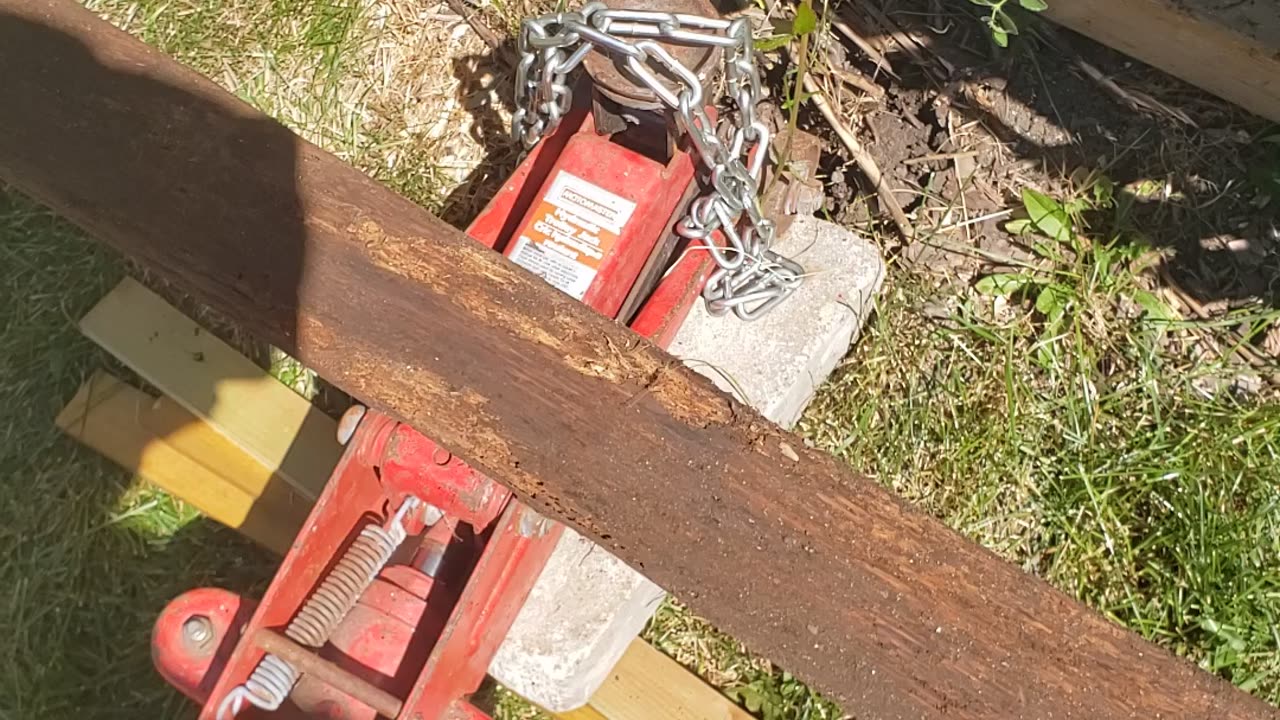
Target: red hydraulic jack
412,566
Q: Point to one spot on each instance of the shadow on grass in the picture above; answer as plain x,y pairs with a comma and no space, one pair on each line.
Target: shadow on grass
479,76
90,557
1186,167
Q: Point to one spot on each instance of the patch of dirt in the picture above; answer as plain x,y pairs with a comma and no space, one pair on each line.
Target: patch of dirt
967,126
437,99
959,128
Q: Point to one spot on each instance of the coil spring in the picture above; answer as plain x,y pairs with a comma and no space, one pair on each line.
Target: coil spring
342,588
272,680
266,688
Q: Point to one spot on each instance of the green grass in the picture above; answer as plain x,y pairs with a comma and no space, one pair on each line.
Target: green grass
1057,416
288,58
1077,431
90,557
1156,506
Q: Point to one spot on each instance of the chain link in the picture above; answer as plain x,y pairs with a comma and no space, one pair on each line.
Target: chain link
750,279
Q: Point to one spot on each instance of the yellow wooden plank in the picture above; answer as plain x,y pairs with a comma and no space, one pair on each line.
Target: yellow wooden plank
586,712
207,377
1165,34
159,441
210,450
647,685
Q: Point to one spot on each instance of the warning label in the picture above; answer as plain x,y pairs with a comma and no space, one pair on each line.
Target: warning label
573,228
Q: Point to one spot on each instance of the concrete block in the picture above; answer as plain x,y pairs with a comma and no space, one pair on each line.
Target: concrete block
588,605
777,362
585,609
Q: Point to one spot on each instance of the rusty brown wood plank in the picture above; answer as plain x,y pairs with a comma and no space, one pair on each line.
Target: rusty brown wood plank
818,568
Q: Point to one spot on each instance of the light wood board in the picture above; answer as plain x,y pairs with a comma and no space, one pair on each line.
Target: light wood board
648,685
1213,54
163,443
546,396
274,425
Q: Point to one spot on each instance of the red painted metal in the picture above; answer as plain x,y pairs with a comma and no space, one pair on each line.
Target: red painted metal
309,663
428,626
666,309
381,640
657,190
442,480
495,226
448,587
498,587
575,148
195,670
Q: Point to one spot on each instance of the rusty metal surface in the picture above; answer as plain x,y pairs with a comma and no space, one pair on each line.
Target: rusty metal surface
615,83
792,187
821,570
317,667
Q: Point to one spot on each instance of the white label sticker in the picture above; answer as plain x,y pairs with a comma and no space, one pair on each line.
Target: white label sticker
573,228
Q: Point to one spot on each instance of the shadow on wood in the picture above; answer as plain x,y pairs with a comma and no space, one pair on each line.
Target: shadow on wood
814,566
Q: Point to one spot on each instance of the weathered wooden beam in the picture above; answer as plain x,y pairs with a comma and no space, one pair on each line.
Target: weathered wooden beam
1228,50
210,469
820,569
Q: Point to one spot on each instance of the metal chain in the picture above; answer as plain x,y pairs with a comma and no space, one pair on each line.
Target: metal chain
749,279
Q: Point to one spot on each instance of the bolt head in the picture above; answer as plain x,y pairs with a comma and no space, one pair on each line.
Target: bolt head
349,422
197,631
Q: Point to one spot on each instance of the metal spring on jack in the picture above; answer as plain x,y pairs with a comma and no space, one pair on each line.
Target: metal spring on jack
270,683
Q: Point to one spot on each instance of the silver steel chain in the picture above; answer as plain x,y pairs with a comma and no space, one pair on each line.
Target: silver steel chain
750,279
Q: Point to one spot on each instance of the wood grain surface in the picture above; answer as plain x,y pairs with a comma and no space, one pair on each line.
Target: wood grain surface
1207,44
809,563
